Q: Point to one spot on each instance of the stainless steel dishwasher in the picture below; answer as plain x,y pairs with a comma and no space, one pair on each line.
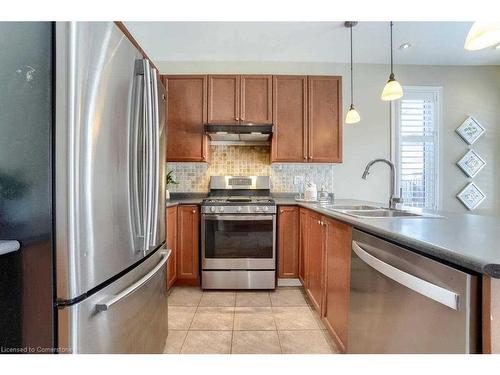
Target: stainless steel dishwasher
403,302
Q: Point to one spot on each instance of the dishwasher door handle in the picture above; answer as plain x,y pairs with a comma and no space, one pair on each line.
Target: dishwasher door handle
423,287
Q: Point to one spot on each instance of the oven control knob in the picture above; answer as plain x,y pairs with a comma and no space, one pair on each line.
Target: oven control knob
257,209
266,209
212,209
221,209
238,209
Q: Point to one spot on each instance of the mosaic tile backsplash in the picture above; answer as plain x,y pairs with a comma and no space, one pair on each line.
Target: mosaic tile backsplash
247,161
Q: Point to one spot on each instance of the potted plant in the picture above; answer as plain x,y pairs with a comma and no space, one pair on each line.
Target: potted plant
169,180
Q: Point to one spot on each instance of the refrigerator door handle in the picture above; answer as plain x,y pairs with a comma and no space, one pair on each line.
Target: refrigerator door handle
148,155
137,285
9,246
156,153
423,287
136,167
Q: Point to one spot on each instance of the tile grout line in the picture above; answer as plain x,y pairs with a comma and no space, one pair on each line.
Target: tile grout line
232,331
190,323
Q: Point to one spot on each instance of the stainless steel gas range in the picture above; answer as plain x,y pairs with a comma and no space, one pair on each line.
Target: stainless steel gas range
238,234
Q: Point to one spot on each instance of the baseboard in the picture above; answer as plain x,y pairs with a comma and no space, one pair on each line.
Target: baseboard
289,282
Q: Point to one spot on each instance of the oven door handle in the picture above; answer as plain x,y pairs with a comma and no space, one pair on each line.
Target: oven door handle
238,217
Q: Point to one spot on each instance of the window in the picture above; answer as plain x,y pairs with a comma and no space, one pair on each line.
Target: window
416,124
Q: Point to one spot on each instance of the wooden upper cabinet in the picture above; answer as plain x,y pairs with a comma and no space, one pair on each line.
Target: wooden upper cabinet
172,245
186,116
223,99
324,120
256,99
289,143
288,242
338,237
315,260
188,245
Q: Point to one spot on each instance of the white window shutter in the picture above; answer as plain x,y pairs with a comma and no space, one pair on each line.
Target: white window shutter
416,147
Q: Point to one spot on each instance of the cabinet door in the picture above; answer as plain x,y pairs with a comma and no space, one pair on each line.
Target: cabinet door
303,246
288,242
223,99
256,101
186,116
338,237
289,143
325,129
315,259
172,245
188,249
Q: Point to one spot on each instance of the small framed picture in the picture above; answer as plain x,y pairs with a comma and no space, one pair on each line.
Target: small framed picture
471,163
471,196
470,130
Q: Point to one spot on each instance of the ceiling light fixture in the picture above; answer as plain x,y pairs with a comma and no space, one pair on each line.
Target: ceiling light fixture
482,35
352,115
392,89
405,45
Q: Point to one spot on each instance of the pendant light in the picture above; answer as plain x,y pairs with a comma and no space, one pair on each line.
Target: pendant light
352,115
482,35
392,89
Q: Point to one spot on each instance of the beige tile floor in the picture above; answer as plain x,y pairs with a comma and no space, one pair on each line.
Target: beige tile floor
244,322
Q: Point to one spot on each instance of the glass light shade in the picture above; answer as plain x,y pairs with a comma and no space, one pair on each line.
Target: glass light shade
352,116
482,35
392,90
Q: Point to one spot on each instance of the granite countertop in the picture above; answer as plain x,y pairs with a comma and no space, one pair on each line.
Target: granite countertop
468,241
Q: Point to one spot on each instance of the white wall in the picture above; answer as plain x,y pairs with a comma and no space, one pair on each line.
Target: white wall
467,90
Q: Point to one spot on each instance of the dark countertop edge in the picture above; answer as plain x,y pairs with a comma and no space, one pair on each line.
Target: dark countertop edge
425,248
185,198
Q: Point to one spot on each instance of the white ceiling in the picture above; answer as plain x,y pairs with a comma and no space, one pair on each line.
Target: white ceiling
432,43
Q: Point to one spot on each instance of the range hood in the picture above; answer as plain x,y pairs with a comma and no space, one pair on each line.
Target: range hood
239,134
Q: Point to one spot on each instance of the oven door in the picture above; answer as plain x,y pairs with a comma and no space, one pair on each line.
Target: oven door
238,242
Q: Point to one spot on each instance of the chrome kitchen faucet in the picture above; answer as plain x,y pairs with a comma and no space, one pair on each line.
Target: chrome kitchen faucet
394,200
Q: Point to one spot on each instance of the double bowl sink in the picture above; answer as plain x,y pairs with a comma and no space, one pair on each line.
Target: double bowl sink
367,212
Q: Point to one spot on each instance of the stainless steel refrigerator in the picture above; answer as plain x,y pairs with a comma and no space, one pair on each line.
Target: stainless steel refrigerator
104,153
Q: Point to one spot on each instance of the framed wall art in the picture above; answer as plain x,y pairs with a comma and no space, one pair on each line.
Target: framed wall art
470,130
471,196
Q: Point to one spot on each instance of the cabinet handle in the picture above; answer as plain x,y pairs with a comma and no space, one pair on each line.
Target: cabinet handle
236,118
281,211
194,211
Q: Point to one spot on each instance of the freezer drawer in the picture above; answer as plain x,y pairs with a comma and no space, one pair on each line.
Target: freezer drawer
402,302
128,316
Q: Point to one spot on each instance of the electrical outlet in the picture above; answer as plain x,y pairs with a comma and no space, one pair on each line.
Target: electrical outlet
298,180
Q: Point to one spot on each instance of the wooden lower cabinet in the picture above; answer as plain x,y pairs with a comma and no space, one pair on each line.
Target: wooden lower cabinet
338,237
315,260
188,245
303,215
288,242
171,222
324,269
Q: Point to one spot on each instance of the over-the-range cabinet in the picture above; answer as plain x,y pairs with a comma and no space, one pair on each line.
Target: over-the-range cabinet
234,99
